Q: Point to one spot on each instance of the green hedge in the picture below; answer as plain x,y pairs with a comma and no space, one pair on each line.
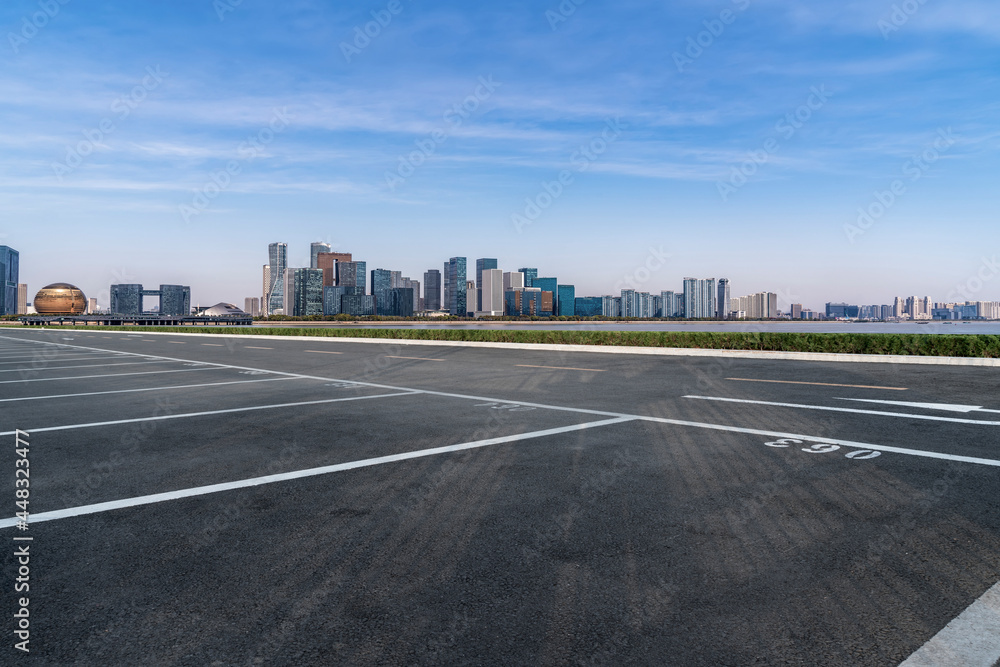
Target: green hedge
941,345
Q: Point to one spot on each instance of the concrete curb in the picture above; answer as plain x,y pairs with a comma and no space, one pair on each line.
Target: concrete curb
608,349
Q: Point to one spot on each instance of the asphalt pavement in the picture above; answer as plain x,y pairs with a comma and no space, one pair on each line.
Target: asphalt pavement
217,500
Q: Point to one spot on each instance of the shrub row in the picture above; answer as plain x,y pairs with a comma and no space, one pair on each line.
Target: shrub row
941,345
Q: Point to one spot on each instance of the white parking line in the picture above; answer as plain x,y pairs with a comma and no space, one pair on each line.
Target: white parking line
944,407
29,355
62,368
677,422
253,408
132,391
299,474
971,640
954,420
58,359
114,375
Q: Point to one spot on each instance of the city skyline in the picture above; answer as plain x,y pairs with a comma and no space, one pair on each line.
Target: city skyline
639,282
828,153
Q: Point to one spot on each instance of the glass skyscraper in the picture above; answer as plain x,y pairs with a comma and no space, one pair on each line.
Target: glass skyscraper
588,306
352,274
303,292
432,290
277,256
566,300
9,273
547,285
529,276
456,287
722,301
314,250
381,284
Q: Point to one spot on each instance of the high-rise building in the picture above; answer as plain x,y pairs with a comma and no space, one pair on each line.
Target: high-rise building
22,299
126,299
490,292
629,303
796,311
529,276
92,305
523,301
277,255
588,306
266,289
327,261
760,306
699,298
842,311
456,293
359,305
566,300
470,296
351,274
673,304
414,285
381,284
302,293
395,302
432,290
722,300
9,274
314,250
482,265
513,280
333,300
175,300
251,306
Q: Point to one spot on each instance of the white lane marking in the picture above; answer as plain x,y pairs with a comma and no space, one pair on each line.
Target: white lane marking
299,474
972,639
390,356
63,368
131,391
564,368
844,443
208,344
818,384
954,420
252,347
605,413
253,408
31,355
944,407
323,352
57,359
113,375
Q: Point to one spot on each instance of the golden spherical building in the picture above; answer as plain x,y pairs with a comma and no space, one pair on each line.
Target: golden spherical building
60,299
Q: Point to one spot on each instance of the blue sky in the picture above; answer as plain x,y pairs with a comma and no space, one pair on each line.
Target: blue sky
171,142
